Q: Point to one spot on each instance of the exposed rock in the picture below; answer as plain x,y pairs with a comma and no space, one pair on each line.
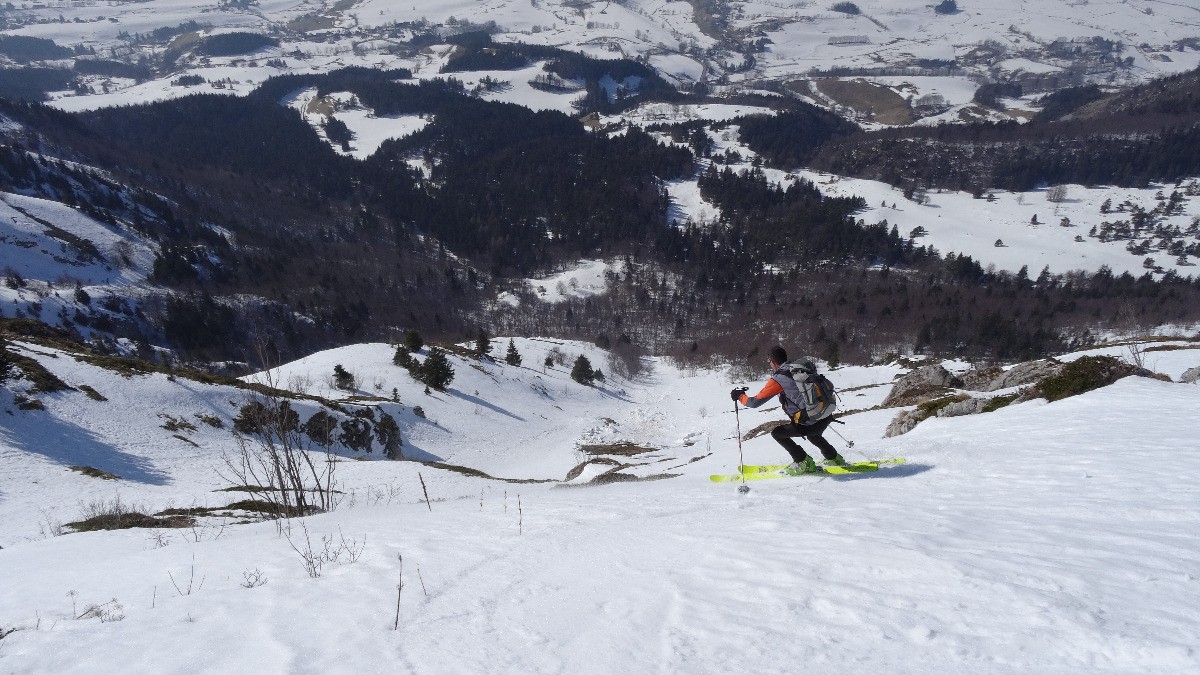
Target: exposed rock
959,408
921,385
981,378
1025,373
904,423
1190,376
995,377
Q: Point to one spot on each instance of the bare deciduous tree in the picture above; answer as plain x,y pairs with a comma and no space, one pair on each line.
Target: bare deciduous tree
1057,194
278,463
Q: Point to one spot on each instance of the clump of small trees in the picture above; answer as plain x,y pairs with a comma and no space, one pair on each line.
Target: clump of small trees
583,373
435,372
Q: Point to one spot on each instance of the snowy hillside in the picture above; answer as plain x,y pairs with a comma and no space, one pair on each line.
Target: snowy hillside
56,260
1061,230
1042,536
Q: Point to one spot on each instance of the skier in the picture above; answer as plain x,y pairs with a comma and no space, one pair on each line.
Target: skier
783,385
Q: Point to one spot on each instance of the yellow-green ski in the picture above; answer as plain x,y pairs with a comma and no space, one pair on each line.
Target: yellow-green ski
862,466
771,471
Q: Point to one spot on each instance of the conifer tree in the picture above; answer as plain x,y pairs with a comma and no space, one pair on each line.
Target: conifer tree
436,372
403,357
582,371
342,378
413,341
513,357
483,344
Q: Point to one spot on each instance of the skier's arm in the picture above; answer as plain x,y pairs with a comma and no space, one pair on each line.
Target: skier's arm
770,390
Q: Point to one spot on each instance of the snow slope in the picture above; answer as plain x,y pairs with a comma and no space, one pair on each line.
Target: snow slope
1048,537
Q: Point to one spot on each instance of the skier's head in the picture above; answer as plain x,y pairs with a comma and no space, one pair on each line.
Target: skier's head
778,356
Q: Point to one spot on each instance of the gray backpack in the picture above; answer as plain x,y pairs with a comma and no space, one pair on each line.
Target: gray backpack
820,396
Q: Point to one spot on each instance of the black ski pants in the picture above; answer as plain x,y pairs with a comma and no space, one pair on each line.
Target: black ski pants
784,434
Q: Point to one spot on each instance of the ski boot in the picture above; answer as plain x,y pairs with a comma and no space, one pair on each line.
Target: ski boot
801,468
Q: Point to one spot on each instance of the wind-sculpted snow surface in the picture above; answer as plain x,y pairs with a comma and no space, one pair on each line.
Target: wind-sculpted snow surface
1044,537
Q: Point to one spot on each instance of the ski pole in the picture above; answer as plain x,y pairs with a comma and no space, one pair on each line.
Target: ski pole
849,443
743,488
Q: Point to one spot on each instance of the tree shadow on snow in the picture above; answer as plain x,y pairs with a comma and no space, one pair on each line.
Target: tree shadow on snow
71,445
480,402
619,395
416,454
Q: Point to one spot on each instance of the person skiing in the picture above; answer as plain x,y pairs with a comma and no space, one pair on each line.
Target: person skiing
783,385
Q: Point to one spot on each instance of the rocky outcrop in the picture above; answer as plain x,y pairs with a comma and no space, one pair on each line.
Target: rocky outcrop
980,379
921,385
904,423
959,408
994,377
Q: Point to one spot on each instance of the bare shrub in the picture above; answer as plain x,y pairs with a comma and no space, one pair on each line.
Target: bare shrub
275,455
50,526
301,384
1137,354
173,424
253,578
191,583
107,612
211,420
311,558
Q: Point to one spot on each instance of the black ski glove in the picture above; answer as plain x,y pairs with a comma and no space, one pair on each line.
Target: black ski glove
737,393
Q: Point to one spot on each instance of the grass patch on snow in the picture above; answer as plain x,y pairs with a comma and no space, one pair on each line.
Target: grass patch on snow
621,449
476,473
1083,375
43,380
1170,348
26,403
173,424
115,514
92,393
211,420
94,472
930,408
997,402
577,471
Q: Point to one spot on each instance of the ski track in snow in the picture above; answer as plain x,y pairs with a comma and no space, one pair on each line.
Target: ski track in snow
1049,537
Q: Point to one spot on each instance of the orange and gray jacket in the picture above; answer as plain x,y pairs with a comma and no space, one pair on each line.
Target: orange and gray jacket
783,385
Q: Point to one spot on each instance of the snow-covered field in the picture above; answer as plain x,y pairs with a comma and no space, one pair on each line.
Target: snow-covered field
798,38
957,222
1044,537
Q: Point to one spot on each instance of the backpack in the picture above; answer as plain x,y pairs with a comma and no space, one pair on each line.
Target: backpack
820,396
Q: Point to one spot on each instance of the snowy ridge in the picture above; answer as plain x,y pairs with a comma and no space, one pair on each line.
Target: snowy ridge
1043,536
